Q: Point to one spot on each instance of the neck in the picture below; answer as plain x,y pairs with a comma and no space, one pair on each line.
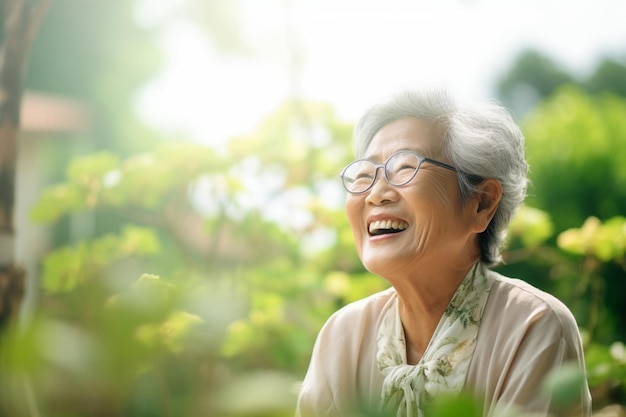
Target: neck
422,302
430,290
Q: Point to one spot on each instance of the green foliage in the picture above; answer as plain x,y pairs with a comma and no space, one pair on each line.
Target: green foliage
609,76
259,393
531,226
576,153
55,202
152,344
535,76
454,406
531,77
605,241
67,267
96,53
143,182
579,264
248,282
256,254
86,181
563,385
606,365
243,298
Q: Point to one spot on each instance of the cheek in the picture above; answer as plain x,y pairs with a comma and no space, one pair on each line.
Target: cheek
354,212
352,207
444,199
441,192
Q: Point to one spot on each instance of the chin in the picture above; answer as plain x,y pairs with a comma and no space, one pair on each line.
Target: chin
385,262
377,266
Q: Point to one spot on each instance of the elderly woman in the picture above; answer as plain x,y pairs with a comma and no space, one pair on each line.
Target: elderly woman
429,198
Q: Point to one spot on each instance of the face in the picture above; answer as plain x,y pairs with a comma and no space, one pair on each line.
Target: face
431,226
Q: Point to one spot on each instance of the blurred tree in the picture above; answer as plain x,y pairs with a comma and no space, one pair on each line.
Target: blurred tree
251,253
585,267
575,149
19,26
96,52
254,258
609,76
101,53
531,77
534,76
574,129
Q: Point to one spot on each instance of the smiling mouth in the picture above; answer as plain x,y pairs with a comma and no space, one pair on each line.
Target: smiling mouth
383,227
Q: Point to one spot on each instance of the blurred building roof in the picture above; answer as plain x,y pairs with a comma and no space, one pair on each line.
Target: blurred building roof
47,113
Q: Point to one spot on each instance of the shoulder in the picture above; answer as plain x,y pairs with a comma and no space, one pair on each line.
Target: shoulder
363,311
353,326
524,334
528,306
343,369
347,337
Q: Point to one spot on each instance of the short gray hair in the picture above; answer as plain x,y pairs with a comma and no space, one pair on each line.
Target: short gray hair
481,141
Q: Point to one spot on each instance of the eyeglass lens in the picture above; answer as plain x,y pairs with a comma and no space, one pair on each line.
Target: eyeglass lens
399,170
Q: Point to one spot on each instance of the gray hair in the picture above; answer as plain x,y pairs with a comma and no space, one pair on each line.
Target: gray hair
481,141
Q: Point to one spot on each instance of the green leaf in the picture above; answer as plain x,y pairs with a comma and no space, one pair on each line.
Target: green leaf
56,202
67,267
532,226
89,170
564,386
137,240
606,241
455,406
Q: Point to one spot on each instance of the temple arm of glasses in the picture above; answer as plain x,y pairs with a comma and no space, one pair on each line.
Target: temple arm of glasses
477,179
441,164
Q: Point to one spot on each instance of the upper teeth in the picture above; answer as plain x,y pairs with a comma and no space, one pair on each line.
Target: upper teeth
387,224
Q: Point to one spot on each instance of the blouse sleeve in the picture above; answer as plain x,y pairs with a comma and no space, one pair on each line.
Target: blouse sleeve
329,382
316,395
343,376
546,340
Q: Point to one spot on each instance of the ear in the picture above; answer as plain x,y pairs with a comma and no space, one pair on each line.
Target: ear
488,198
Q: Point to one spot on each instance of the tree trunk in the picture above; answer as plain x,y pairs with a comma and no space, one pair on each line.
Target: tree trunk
21,19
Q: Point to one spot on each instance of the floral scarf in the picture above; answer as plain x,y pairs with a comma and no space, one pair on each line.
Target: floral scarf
443,367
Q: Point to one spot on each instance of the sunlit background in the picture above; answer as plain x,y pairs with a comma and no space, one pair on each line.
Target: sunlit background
349,53
178,211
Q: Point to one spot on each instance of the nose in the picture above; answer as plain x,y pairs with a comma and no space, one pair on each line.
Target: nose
381,192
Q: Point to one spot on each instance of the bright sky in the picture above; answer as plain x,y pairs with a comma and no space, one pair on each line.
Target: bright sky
351,52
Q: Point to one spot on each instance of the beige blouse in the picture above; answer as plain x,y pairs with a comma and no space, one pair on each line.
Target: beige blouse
524,333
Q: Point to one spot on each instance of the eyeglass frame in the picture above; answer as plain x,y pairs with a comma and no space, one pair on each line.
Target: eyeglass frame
421,159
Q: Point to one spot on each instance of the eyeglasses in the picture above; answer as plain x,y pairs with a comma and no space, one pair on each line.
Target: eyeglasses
401,167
